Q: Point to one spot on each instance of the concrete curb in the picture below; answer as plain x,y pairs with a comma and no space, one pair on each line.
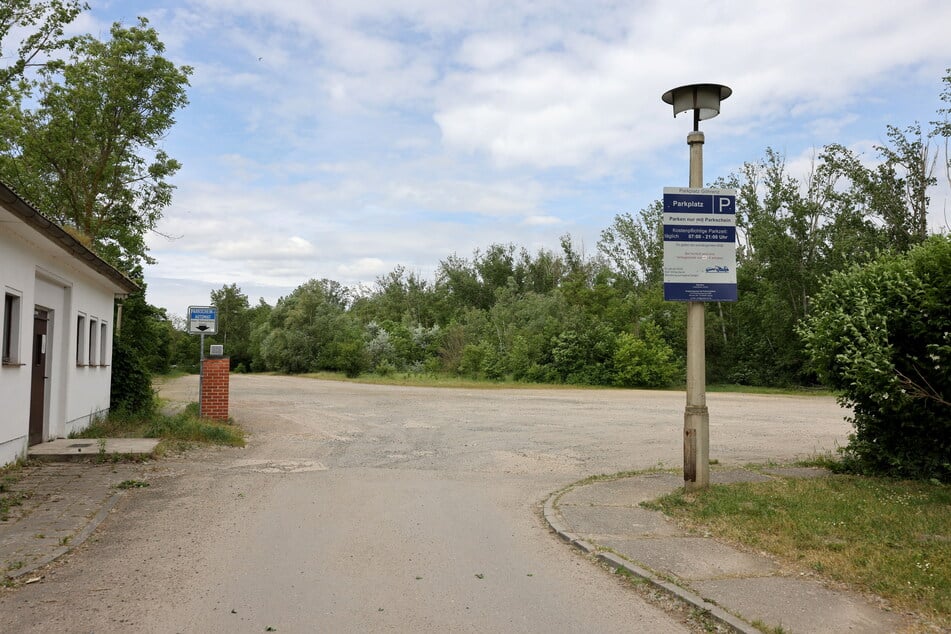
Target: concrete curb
75,541
690,598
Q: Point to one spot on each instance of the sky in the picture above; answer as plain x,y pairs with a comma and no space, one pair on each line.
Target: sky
341,139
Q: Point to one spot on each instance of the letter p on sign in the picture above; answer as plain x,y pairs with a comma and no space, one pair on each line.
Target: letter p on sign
725,205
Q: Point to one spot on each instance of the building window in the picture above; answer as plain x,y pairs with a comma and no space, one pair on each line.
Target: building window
81,340
93,340
11,328
103,340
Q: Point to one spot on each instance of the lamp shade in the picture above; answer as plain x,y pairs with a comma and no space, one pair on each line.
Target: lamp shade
703,98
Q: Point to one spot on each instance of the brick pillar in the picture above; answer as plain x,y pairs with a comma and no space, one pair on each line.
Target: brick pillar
214,388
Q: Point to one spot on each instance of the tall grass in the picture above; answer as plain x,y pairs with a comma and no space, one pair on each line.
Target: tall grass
184,426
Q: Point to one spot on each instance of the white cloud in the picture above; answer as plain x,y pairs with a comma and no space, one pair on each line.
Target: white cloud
542,220
363,268
262,249
341,138
597,99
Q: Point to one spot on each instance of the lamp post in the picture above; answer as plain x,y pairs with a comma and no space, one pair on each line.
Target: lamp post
704,100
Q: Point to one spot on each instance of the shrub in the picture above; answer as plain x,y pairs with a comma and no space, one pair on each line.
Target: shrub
131,390
475,359
385,368
881,334
584,357
645,361
351,358
379,348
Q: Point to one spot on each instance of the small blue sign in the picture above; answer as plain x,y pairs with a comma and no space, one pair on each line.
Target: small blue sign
203,320
202,313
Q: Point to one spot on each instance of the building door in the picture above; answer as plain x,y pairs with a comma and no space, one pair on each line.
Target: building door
39,382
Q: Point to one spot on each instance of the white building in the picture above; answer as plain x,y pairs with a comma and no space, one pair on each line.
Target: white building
58,321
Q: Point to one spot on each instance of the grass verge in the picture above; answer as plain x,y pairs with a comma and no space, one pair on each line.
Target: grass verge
173,429
423,379
892,538
732,388
412,379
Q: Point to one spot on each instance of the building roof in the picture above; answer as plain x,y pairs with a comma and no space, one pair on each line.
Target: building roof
59,236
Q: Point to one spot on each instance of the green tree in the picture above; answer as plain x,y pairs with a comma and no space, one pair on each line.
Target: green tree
258,328
311,330
234,326
942,126
83,140
462,284
635,245
542,273
791,234
910,158
34,29
401,296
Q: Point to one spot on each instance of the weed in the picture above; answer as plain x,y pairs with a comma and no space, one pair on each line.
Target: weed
10,499
183,427
132,484
769,629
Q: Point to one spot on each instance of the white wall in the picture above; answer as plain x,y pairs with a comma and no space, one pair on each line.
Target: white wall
17,276
42,274
88,386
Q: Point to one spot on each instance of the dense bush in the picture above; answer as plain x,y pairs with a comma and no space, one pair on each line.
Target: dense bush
645,361
881,334
131,382
586,356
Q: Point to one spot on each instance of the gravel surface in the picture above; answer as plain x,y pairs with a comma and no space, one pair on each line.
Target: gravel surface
359,508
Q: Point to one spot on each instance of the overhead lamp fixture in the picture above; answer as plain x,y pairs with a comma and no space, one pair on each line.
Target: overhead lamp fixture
703,99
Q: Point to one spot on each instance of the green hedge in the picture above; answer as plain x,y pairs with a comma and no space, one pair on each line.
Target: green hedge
881,335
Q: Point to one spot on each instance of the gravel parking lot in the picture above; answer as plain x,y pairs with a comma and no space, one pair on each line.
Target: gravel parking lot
376,508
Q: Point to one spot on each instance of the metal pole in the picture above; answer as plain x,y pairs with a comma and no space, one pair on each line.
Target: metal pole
696,416
201,370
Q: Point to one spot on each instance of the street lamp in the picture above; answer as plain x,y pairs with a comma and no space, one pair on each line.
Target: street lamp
704,100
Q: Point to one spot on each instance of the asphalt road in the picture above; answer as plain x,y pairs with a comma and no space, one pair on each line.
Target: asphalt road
360,508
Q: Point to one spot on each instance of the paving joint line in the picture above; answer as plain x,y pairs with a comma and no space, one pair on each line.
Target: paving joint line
682,594
74,542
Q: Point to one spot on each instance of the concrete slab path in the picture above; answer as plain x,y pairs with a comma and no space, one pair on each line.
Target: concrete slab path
604,518
57,506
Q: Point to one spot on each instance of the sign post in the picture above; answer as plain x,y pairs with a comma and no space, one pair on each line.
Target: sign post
698,261
202,320
699,266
